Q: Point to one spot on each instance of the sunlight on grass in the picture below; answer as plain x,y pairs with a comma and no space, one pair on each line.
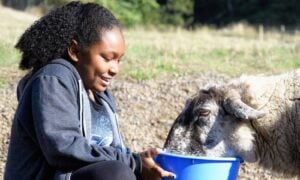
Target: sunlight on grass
8,55
9,60
13,23
151,53
204,50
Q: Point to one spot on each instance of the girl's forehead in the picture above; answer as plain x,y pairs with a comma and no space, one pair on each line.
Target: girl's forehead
113,36
112,40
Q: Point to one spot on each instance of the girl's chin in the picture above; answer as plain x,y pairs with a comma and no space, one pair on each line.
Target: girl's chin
101,88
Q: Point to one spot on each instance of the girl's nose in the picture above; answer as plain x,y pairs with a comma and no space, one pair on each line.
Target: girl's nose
114,67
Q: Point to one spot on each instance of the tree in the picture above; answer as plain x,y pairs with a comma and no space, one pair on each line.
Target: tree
177,12
133,12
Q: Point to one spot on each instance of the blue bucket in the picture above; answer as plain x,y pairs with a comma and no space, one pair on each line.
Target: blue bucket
195,168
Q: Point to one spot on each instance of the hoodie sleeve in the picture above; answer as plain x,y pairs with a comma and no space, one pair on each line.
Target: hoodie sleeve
56,121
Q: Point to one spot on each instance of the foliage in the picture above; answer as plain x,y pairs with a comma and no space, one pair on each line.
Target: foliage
129,12
177,12
133,12
189,12
272,13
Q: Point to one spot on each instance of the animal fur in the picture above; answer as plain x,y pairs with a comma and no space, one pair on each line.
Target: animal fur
254,117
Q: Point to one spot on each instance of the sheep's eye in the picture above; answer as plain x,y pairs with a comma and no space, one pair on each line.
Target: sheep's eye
204,112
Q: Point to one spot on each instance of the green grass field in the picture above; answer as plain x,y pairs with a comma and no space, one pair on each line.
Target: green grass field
152,53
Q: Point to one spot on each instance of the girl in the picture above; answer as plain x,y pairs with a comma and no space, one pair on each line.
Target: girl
65,125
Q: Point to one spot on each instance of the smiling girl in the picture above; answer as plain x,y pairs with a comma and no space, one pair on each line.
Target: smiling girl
65,125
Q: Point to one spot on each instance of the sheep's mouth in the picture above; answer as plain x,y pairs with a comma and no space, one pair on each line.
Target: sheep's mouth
187,153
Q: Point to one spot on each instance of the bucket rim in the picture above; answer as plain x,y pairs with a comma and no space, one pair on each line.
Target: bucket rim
231,159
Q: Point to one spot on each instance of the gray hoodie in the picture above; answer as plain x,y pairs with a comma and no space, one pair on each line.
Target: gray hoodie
51,131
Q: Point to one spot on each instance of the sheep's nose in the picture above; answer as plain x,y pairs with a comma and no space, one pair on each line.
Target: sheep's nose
208,142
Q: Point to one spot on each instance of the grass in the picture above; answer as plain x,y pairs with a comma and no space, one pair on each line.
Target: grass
151,53
12,25
8,55
9,58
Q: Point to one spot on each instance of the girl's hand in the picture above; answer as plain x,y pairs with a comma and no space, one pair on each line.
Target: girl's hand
151,170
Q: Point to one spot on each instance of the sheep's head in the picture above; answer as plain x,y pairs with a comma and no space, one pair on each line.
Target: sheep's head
215,122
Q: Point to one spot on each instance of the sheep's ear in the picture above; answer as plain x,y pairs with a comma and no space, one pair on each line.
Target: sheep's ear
241,110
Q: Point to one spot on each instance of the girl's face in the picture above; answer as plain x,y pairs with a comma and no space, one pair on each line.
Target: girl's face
99,63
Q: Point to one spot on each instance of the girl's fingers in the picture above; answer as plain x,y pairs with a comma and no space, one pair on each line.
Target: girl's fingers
162,173
154,151
150,163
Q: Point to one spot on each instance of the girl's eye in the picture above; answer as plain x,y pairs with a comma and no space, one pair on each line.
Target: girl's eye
106,58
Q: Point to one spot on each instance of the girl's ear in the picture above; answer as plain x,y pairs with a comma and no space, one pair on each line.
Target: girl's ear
73,51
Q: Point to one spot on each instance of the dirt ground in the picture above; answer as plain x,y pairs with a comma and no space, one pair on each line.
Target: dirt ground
147,110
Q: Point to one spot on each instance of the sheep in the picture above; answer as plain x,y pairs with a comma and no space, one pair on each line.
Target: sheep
256,118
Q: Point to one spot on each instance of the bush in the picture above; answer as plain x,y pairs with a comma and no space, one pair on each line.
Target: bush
133,12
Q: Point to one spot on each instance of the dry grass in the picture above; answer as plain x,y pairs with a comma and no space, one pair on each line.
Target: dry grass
152,53
231,50
13,23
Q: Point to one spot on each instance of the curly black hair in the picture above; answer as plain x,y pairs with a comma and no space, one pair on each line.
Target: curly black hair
49,37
